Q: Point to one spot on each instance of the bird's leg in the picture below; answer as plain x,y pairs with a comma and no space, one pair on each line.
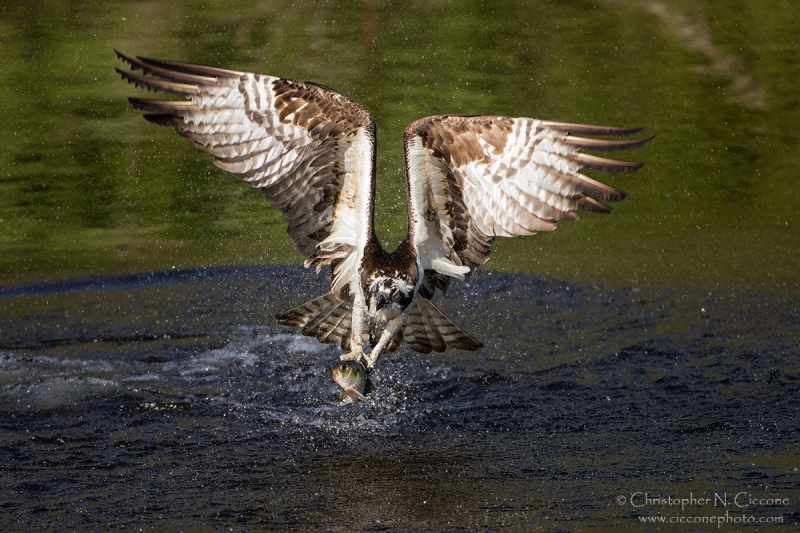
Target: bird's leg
357,330
388,334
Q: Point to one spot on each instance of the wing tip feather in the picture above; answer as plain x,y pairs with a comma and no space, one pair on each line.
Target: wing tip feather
588,129
605,145
606,165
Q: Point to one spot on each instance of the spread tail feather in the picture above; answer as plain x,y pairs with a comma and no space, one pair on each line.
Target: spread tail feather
428,329
325,317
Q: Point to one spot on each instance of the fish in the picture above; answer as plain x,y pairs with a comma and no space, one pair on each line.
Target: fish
351,376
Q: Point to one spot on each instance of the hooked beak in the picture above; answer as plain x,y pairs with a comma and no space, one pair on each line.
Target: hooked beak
381,301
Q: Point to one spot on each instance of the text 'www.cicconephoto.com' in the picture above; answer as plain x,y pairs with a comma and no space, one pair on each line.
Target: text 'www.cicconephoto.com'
716,509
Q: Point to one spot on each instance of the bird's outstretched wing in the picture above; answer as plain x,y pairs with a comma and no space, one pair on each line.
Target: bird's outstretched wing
309,149
474,178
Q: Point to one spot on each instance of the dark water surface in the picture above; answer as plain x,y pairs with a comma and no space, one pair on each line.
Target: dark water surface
171,401
138,391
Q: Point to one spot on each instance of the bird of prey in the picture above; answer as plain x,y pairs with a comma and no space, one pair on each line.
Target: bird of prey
311,151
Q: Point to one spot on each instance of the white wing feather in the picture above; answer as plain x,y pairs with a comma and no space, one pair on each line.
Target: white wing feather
474,178
309,149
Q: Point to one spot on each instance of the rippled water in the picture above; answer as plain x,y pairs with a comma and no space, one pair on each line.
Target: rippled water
171,401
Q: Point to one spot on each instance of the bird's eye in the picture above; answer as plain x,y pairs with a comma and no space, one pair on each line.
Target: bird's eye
395,295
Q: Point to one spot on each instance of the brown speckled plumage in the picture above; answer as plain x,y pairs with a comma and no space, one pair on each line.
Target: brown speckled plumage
311,151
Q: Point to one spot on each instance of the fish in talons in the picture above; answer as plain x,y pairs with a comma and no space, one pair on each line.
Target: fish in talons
351,376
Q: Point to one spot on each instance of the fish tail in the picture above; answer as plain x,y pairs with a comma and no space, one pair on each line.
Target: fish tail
351,396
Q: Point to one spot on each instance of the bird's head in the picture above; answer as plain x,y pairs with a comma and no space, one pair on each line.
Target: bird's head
388,297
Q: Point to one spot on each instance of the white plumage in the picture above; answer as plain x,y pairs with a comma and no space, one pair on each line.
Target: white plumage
311,151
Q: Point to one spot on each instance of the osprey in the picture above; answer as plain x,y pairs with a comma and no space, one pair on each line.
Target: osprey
311,151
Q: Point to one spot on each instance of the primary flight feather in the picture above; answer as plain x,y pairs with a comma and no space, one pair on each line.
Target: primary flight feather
311,151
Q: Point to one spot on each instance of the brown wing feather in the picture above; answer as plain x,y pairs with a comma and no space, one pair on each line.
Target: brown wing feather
474,178
290,139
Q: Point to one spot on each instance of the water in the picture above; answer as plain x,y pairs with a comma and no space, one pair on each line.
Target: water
88,187
172,401
144,384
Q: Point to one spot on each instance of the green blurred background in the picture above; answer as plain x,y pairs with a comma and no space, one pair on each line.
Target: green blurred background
87,187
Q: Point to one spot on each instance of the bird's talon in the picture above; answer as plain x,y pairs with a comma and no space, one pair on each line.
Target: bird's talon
355,355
